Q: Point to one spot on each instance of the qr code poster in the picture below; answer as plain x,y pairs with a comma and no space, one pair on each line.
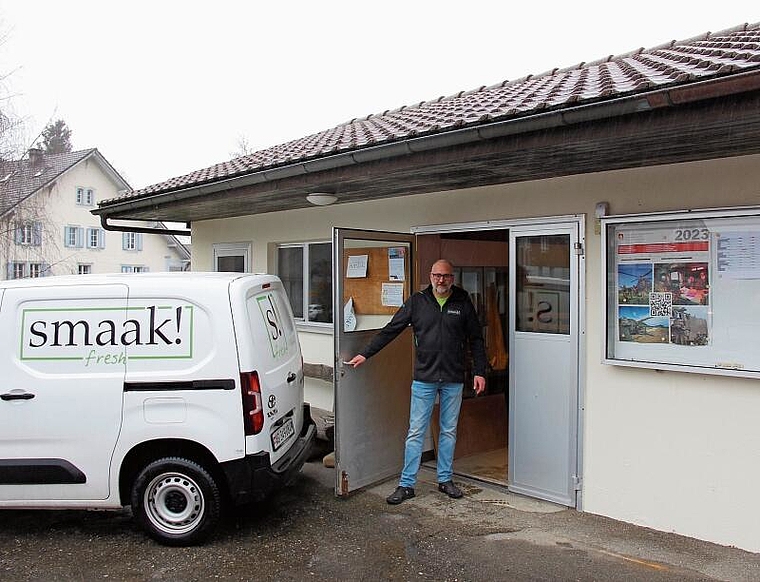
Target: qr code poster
660,304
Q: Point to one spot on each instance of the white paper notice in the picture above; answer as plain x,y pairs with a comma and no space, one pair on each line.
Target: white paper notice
393,294
396,263
357,266
349,317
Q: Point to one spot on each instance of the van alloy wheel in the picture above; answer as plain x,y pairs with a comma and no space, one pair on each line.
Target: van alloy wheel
176,501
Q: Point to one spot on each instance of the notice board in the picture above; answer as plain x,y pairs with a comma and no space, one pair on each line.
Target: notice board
682,291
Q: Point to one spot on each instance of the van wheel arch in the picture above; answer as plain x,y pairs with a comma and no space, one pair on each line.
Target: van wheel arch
147,452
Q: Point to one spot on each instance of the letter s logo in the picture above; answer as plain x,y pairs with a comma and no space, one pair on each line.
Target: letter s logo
273,320
543,313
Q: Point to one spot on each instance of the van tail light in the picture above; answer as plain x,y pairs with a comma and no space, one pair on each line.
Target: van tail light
253,411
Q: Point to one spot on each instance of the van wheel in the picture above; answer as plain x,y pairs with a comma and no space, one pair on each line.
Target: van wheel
176,501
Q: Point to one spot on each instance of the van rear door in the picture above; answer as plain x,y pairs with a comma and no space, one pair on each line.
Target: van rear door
270,359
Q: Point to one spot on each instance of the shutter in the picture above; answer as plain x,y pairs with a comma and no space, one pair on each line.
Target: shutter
17,234
138,241
101,238
37,234
9,270
80,237
124,241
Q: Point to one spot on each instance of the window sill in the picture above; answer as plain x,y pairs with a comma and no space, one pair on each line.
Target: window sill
321,328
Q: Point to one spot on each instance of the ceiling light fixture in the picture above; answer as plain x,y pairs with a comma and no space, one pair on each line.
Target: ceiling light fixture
322,198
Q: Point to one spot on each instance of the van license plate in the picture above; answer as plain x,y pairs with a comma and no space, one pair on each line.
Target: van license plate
282,434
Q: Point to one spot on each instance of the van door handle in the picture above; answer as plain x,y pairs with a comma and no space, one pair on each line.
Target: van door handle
17,396
292,377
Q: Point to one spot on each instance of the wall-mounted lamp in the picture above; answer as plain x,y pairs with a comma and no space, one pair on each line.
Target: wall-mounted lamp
322,198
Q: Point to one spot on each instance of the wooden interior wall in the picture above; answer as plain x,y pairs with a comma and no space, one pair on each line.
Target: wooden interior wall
463,253
482,425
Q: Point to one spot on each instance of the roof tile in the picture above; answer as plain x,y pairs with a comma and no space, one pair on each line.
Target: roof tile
674,63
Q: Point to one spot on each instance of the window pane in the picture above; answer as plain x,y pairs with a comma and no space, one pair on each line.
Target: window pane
233,264
543,284
290,271
320,282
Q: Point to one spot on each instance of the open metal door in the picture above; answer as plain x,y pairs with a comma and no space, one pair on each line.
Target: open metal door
372,275
544,361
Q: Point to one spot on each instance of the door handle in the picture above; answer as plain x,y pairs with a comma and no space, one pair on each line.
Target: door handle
292,377
17,396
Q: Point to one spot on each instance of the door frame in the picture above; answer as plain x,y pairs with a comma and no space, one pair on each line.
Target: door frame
579,220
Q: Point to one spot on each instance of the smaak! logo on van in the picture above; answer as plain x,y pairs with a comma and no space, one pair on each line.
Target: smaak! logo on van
273,324
107,335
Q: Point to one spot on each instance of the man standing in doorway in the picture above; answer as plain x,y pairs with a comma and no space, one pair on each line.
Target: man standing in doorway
444,321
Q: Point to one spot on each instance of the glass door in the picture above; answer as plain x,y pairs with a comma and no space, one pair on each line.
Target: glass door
543,413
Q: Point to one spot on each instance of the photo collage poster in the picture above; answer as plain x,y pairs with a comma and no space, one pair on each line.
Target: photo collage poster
663,285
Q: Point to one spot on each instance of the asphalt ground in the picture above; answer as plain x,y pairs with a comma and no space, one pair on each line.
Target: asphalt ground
305,533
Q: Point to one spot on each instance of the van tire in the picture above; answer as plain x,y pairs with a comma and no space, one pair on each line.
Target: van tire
176,501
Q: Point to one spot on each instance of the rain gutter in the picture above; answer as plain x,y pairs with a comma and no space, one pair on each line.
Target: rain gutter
641,102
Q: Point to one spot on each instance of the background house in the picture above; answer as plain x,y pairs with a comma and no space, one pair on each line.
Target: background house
534,186
46,227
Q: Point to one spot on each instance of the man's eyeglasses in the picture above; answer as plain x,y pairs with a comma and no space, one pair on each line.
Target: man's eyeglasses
441,275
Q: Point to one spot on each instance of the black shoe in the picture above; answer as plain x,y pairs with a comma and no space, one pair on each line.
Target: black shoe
450,489
400,494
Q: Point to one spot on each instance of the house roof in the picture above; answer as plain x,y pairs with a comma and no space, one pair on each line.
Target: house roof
675,64
20,179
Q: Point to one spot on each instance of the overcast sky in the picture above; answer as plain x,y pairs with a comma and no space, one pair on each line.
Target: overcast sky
163,88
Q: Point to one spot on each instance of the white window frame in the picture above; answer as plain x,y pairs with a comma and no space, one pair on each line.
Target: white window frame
36,270
85,196
132,241
26,233
96,238
73,237
18,270
84,268
234,249
134,269
306,292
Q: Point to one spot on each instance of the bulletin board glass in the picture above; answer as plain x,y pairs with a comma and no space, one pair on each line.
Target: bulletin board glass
683,291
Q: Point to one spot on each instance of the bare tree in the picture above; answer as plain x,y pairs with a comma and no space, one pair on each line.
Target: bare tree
243,148
27,233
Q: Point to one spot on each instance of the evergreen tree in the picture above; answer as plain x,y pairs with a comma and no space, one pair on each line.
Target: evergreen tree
56,138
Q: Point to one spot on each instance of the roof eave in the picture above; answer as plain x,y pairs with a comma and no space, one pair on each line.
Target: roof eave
659,98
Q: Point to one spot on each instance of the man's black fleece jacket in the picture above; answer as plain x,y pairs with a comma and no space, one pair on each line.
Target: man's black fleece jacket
440,335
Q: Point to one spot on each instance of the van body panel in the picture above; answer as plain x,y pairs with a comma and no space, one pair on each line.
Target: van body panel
63,376
275,355
95,366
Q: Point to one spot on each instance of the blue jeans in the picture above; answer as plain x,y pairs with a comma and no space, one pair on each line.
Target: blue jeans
423,399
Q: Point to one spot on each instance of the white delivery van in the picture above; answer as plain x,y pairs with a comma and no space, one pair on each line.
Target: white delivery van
173,393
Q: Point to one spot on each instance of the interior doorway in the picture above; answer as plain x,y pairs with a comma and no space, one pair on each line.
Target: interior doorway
481,267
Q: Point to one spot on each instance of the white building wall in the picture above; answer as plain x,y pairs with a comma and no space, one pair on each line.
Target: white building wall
674,451
62,210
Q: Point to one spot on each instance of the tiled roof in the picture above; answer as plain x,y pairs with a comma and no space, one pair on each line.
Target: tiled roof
676,63
20,179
